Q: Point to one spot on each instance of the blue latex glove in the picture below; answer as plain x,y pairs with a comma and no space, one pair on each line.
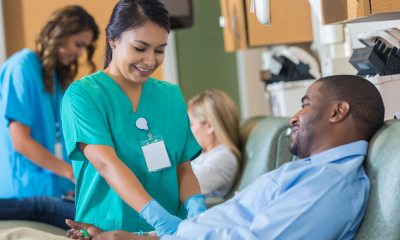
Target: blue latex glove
159,218
195,205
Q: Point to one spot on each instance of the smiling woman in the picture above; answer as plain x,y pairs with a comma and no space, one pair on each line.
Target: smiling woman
126,173
32,83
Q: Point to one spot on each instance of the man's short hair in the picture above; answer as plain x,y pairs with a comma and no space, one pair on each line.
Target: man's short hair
366,104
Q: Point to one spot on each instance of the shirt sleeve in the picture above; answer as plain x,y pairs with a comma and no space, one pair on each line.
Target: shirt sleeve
83,121
16,95
306,211
301,213
217,171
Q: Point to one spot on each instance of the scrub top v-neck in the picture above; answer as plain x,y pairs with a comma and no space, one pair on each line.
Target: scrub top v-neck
95,110
124,99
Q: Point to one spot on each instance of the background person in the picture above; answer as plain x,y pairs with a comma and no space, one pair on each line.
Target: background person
128,135
214,120
45,209
32,83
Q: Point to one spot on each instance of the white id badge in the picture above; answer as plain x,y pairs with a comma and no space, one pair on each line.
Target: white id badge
58,150
155,154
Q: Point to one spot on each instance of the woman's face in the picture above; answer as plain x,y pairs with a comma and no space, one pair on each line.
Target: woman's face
202,131
74,46
138,52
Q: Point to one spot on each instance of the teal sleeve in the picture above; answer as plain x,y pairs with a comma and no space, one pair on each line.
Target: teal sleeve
83,121
191,148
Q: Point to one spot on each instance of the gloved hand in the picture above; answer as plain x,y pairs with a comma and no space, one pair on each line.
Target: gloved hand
195,205
159,218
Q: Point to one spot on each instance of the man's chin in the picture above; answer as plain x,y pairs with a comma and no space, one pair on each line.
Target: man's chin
293,149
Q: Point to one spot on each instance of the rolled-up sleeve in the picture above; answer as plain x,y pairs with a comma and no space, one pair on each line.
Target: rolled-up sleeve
83,121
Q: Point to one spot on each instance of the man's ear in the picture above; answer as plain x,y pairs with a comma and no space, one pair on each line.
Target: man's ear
339,111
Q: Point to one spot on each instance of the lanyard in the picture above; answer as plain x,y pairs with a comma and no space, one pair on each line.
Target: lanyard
141,123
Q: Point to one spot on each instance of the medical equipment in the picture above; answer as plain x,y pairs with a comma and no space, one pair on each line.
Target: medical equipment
381,54
262,10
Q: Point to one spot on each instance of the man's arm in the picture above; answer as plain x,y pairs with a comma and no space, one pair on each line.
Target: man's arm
312,211
123,235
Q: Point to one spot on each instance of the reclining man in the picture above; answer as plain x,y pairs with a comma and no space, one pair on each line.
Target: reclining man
321,196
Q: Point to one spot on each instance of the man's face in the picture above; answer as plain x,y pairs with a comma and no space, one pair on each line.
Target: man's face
308,123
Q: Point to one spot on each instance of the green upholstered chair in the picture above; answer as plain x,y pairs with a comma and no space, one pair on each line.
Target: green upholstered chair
266,148
382,218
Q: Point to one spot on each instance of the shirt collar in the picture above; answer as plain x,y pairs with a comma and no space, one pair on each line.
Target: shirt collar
330,155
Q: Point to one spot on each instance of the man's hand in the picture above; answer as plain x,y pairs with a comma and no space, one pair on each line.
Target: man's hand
123,235
74,232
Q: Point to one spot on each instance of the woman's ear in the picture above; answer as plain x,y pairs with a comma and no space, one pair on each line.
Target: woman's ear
340,110
210,129
112,44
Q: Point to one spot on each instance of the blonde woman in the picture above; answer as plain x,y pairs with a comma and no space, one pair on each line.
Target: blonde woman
214,120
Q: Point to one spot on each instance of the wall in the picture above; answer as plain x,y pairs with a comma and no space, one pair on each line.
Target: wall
2,37
200,54
251,89
23,20
200,63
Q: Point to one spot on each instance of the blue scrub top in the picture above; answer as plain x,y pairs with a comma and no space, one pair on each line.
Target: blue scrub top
24,99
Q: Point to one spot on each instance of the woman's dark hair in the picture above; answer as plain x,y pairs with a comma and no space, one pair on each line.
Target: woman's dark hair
129,14
62,24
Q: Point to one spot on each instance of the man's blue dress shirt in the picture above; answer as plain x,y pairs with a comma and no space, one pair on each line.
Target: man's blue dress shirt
320,197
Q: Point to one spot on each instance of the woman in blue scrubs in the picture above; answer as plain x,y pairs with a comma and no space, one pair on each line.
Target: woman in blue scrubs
128,135
32,82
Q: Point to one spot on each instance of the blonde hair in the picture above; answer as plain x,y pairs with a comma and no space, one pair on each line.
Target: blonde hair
217,108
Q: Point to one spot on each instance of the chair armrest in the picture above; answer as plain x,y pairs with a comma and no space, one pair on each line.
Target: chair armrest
212,201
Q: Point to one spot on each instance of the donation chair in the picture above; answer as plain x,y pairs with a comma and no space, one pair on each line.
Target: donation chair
382,217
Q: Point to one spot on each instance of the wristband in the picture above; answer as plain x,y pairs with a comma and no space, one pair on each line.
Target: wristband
85,233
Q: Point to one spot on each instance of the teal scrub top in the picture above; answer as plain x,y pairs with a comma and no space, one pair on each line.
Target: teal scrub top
95,110
24,99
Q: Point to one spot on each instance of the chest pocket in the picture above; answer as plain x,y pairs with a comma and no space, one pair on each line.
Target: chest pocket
175,140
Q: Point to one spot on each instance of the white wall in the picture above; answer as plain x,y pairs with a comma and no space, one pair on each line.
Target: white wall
251,89
170,66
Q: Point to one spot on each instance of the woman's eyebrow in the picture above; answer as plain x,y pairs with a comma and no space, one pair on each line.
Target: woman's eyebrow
146,44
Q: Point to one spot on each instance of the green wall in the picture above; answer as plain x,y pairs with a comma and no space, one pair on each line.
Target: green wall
202,61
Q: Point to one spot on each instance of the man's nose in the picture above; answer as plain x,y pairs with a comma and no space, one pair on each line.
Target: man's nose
293,120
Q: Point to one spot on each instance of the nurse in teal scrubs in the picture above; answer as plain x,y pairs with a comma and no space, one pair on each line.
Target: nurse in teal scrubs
128,134
33,161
